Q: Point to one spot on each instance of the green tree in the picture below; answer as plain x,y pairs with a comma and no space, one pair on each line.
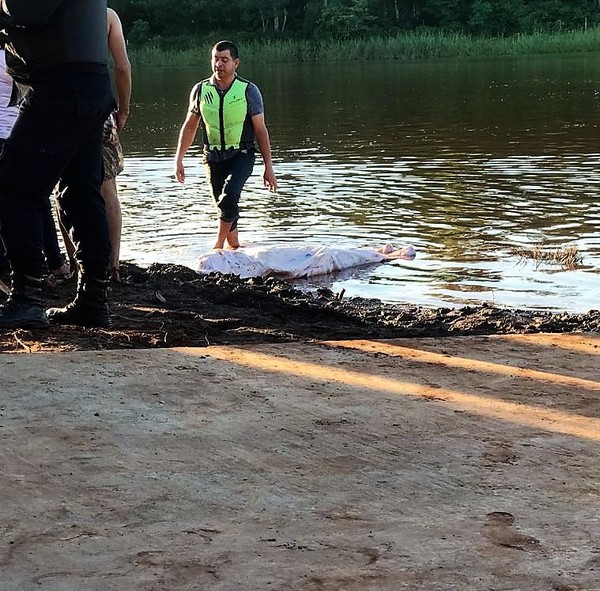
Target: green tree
350,21
266,16
447,14
496,17
559,15
185,21
397,14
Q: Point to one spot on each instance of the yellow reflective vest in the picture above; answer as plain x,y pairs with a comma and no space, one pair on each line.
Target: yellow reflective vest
226,124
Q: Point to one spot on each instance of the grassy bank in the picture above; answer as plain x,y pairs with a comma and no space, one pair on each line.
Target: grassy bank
406,46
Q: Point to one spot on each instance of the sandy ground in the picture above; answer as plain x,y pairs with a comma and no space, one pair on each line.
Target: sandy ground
464,463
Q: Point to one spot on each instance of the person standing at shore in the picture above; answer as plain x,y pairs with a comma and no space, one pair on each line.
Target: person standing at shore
57,265
229,110
112,152
56,51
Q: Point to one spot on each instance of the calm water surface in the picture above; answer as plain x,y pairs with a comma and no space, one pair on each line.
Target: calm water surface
472,162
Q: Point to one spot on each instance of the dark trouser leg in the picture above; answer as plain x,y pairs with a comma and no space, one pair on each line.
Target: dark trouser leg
21,209
27,174
52,134
54,257
227,179
89,228
81,207
4,263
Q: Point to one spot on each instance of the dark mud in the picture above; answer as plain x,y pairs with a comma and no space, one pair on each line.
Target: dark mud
171,306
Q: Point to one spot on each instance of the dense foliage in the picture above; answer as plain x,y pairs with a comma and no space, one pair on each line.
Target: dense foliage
169,24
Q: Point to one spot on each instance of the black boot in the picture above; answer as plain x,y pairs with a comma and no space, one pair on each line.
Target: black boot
90,306
24,307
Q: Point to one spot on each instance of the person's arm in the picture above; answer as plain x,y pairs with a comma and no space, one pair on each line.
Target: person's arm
264,145
186,137
27,13
118,52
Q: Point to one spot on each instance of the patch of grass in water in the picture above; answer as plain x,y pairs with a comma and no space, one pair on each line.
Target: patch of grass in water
568,257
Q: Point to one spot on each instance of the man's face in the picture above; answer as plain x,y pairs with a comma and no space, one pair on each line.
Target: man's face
223,65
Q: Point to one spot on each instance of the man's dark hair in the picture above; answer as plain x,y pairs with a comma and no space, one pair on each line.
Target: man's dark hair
227,46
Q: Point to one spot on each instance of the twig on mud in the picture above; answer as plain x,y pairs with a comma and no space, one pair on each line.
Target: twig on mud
20,342
83,534
138,320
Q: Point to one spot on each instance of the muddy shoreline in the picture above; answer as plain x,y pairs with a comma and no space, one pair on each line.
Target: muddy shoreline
171,306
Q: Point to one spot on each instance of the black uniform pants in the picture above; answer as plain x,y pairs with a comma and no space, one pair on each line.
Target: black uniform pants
57,138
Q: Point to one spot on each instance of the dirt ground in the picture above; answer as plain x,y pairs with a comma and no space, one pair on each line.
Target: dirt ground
169,306
415,464
233,434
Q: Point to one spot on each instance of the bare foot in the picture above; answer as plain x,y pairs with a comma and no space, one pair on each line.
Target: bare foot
386,248
115,277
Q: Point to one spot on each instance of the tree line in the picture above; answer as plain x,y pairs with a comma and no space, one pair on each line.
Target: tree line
174,24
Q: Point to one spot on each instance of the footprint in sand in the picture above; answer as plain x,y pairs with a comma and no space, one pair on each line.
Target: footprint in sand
500,530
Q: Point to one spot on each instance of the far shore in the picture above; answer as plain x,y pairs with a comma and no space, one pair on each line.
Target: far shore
161,52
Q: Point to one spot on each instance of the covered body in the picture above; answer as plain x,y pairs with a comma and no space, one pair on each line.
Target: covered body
296,261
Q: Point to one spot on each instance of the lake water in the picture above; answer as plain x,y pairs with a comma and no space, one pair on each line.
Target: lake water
471,161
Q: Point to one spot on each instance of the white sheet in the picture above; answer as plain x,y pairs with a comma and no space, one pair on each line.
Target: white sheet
296,261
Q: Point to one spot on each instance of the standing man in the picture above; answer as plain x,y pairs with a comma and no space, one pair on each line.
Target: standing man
112,152
56,51
230,112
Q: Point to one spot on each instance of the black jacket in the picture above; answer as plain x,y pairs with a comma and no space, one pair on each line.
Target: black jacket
43,34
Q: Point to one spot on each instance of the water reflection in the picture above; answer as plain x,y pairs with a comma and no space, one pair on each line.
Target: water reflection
469,161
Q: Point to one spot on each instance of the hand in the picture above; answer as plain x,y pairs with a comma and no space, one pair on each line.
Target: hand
179,171
121,119
269,179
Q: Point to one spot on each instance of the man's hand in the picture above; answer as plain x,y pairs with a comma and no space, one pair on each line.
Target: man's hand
179,171
269,179
186,137
121,118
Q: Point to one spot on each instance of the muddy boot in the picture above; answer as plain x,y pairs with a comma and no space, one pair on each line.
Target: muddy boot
24,307
90,306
